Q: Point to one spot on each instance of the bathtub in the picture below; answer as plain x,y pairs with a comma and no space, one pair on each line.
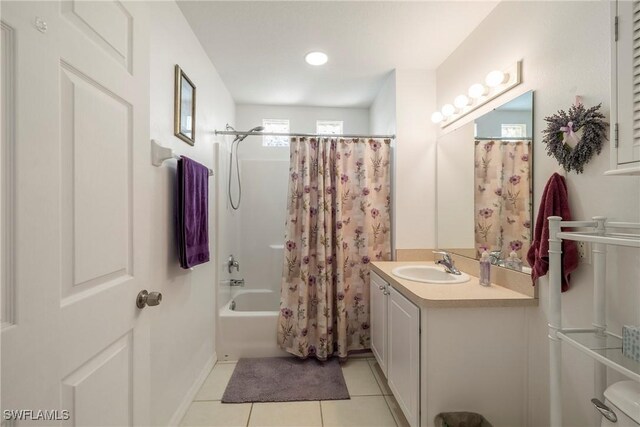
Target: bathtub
249,325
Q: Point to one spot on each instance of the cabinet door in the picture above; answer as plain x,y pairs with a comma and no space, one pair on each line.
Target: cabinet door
404,355
378,319
626,90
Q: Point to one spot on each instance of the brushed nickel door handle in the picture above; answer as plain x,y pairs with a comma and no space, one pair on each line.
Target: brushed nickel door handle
145,298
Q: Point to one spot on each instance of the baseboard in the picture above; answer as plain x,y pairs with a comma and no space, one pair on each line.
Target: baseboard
191,394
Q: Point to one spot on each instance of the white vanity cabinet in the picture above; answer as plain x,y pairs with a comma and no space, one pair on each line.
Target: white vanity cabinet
395,342
625,94
378,319
403,367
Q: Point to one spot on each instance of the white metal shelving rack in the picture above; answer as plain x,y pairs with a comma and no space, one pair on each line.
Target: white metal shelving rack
597,342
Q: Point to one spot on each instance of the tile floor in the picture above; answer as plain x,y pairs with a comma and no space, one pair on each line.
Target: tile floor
371,403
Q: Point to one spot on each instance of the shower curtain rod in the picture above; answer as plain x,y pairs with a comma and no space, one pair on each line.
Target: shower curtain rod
504,139
311,135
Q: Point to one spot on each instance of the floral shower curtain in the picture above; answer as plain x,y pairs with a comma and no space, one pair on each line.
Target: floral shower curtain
503,197
337,223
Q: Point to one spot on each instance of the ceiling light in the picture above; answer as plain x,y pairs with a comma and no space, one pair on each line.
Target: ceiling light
316,58
461,101
495,78
477,90
437,117
448,110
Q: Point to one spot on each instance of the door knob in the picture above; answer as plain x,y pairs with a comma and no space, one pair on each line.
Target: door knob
148,298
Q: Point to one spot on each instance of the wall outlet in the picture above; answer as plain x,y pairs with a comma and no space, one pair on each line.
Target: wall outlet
584,252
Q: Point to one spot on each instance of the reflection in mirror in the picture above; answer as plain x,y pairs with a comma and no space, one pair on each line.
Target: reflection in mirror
484,185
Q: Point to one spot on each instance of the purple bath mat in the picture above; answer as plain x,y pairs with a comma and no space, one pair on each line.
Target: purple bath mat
285,379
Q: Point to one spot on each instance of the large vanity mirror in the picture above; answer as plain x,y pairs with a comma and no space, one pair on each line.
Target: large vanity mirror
484,185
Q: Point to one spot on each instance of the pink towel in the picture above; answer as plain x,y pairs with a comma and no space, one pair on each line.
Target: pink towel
555,202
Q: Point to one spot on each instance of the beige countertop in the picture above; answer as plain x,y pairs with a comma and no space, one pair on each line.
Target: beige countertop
468,294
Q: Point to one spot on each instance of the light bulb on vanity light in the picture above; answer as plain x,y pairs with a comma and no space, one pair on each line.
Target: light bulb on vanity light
437,117
496,78
448,110
461,101
477,90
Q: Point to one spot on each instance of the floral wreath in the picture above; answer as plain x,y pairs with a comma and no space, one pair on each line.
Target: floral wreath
562,128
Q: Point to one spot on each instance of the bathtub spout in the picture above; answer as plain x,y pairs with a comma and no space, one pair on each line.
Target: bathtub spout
236,282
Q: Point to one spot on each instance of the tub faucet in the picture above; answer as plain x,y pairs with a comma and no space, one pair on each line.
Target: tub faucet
233,263
447,262
236,282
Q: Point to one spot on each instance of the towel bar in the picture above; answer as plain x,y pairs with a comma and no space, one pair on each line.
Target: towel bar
159,154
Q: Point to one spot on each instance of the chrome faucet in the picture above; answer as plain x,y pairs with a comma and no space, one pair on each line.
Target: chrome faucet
495,257
233,263
236,282
447,262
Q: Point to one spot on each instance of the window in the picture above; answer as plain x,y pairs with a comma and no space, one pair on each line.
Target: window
514,131
275,126
329,127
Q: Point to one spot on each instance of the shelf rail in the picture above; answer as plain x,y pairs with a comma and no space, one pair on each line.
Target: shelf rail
598,342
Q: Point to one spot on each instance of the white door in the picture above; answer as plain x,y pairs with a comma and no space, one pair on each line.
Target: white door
72,337
404,355
378,318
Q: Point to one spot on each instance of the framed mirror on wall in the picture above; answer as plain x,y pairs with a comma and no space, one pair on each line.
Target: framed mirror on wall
185,107
484,185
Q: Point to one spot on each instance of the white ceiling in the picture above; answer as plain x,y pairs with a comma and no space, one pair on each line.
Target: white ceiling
258,47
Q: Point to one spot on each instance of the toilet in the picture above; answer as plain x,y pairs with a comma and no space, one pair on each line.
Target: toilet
623,398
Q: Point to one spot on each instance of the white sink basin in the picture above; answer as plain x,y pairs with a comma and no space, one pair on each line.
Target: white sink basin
428,274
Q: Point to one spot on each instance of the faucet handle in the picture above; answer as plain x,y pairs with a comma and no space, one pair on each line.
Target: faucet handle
233,263
445,255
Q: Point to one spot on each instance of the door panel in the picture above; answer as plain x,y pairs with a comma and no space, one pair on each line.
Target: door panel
404,355
96,190
379,320
108,24
86,385
82,156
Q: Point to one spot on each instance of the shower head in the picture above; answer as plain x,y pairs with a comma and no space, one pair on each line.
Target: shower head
255,129
236,143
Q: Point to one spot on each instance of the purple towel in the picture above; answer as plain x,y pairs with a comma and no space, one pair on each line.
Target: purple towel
193,202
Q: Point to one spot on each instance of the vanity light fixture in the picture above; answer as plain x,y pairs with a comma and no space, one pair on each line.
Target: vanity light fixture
316,58
448,110
437,117
497,83
477,91
461,101
496,78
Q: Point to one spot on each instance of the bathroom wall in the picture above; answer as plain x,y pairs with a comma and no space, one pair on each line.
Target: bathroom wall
565,51
382,121
182,328
265,173
382,113
402,106
415,153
